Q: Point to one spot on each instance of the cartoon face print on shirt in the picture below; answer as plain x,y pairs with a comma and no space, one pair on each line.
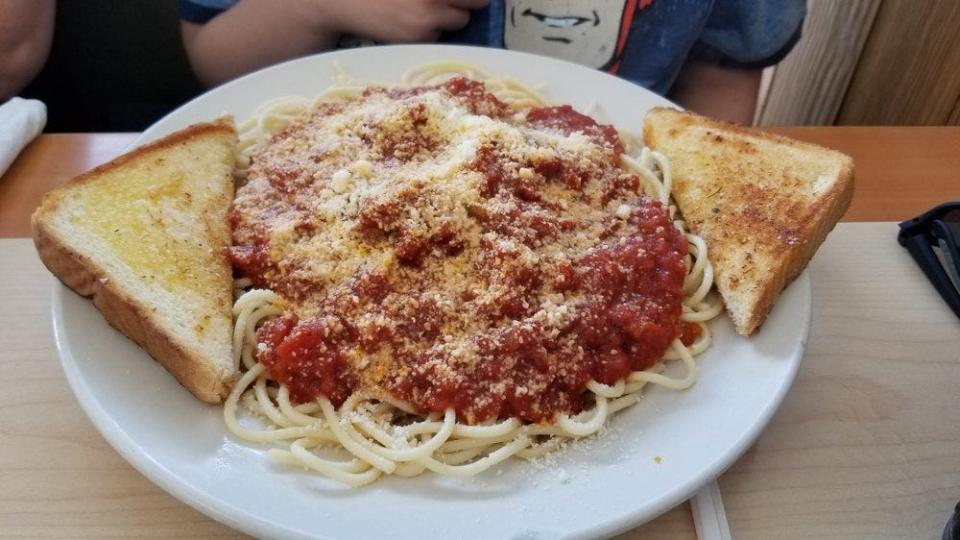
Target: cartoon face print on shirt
591,33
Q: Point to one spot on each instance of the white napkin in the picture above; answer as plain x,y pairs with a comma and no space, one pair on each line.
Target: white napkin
21,120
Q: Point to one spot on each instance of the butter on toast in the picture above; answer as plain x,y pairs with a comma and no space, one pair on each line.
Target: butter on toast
762,202
146,236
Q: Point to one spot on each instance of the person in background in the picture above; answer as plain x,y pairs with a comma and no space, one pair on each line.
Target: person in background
705,54
26,31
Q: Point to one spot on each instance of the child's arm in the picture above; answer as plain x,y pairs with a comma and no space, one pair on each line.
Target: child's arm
257,33
725,93
26,31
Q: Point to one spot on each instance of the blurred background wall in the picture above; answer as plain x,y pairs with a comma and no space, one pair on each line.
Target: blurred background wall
869,62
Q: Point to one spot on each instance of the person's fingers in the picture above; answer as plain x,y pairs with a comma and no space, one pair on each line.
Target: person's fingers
450,18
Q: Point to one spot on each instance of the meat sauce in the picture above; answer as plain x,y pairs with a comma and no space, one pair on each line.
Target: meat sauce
628,286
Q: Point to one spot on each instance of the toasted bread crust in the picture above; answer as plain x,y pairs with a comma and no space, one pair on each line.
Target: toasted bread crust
86,278
223,125
836,202
782,218
119,308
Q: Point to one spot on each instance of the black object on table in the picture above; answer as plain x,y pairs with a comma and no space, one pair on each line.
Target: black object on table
932,239
952,530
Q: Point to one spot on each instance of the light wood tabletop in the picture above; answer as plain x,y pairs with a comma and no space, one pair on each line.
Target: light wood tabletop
866,444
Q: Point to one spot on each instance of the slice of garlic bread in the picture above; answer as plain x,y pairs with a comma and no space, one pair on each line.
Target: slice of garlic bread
145,235
763,203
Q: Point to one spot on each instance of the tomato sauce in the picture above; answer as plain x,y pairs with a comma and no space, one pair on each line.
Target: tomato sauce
567,120
519,353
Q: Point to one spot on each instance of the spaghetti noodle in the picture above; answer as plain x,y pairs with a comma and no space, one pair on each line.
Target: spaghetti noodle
383,434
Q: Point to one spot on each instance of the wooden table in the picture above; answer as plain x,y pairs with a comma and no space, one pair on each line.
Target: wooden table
866,444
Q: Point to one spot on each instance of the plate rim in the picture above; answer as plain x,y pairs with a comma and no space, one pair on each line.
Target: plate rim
124,444
152,132
235,517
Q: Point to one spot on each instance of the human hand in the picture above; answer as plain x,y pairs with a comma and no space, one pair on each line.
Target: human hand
398,21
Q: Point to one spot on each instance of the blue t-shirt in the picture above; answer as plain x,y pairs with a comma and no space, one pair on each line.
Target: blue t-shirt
645,41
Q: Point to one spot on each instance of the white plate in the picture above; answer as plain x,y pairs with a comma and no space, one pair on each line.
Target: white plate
654,455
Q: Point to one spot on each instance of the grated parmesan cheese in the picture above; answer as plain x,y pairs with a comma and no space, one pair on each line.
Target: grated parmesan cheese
351,190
